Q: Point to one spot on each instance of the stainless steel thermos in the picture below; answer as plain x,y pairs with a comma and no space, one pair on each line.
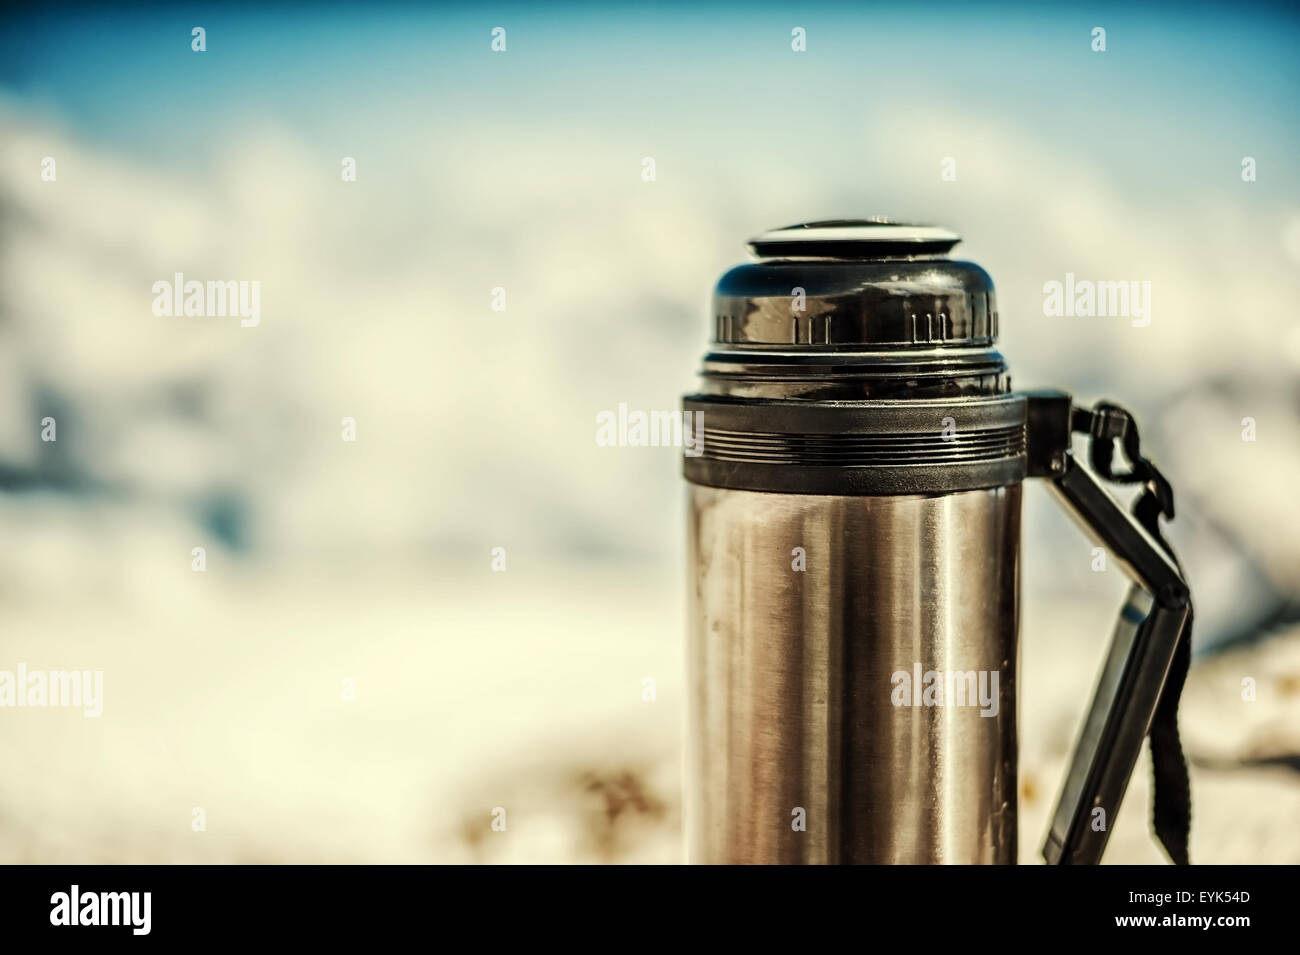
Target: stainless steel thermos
854,533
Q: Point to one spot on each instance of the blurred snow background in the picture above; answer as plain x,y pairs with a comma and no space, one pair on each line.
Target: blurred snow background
370,561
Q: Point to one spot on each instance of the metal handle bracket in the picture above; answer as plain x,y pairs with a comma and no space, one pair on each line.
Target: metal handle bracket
1147,635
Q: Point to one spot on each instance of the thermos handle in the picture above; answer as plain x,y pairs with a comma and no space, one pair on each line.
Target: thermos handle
1142,677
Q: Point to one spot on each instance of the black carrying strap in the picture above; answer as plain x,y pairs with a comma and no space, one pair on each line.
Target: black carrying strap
1172,809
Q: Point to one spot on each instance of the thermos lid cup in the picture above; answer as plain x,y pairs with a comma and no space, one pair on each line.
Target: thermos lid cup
854,357
865,284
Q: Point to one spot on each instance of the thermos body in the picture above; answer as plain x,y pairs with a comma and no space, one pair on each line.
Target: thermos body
855,468
802,749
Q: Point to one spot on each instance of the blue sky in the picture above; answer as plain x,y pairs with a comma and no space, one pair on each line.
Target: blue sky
1177,88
